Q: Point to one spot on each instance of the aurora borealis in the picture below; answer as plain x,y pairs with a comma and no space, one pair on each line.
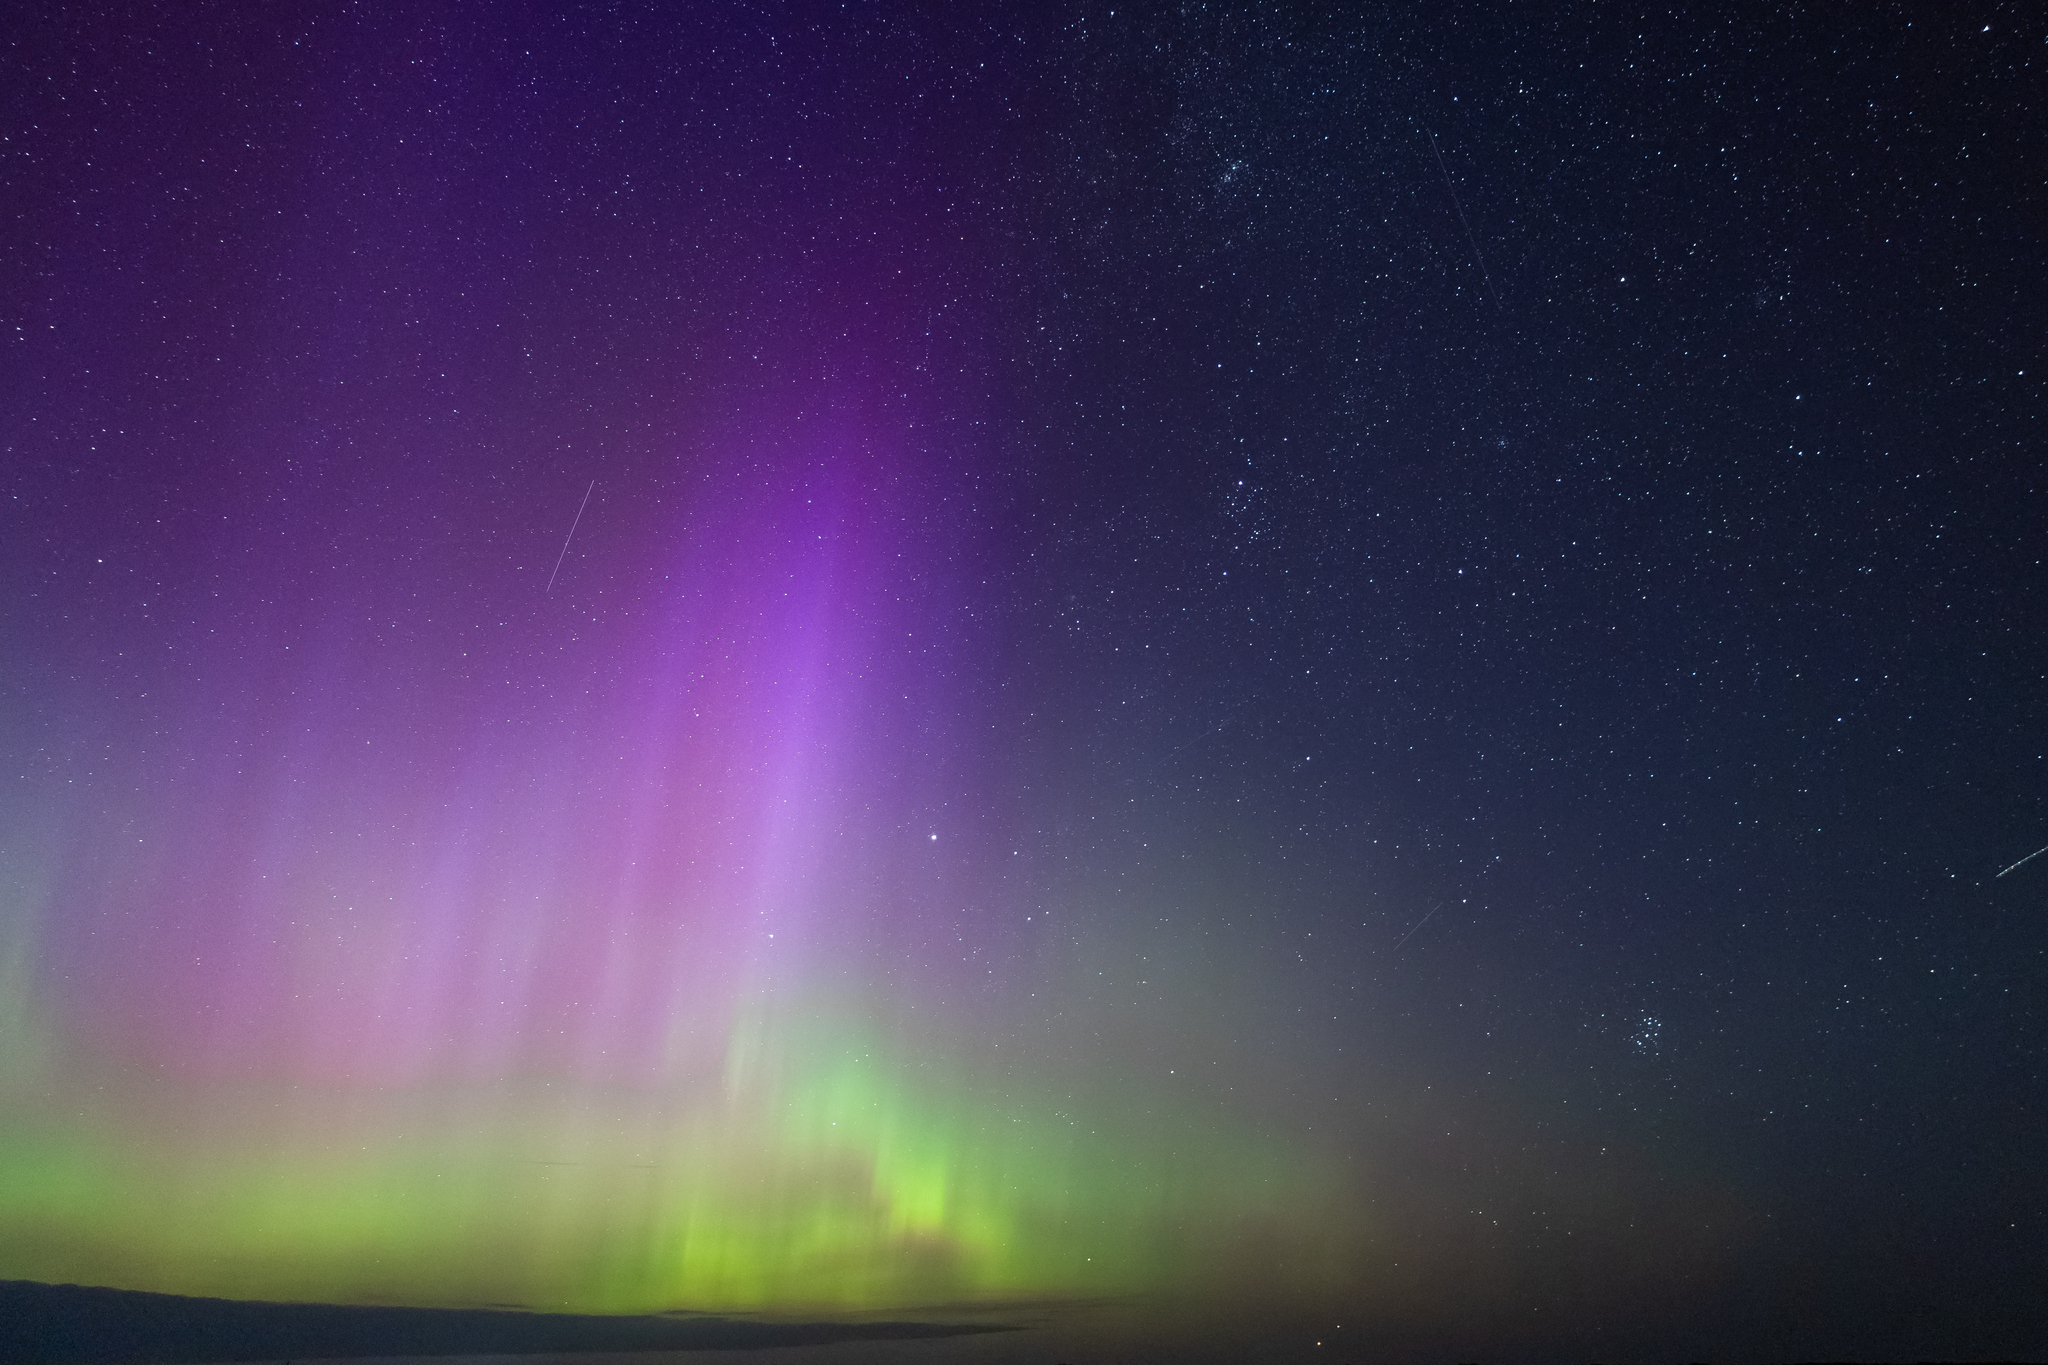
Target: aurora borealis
1181,677
636,970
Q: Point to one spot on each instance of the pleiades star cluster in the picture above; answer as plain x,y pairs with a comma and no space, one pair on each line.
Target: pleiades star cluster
1336,682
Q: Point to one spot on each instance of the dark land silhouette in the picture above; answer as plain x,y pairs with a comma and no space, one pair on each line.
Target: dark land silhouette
62,1324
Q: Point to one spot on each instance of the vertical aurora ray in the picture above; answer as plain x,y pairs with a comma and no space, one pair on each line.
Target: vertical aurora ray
615,974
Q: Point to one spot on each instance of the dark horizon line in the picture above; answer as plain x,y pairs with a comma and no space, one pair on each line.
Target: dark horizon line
69,1324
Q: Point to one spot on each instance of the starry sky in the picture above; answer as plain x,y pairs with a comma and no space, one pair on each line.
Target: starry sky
1281,674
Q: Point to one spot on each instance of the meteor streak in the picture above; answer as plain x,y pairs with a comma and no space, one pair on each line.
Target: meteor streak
571,536
2024,861
1418,924
1470,240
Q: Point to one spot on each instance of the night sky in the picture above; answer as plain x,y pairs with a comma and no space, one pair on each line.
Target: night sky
1225,669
